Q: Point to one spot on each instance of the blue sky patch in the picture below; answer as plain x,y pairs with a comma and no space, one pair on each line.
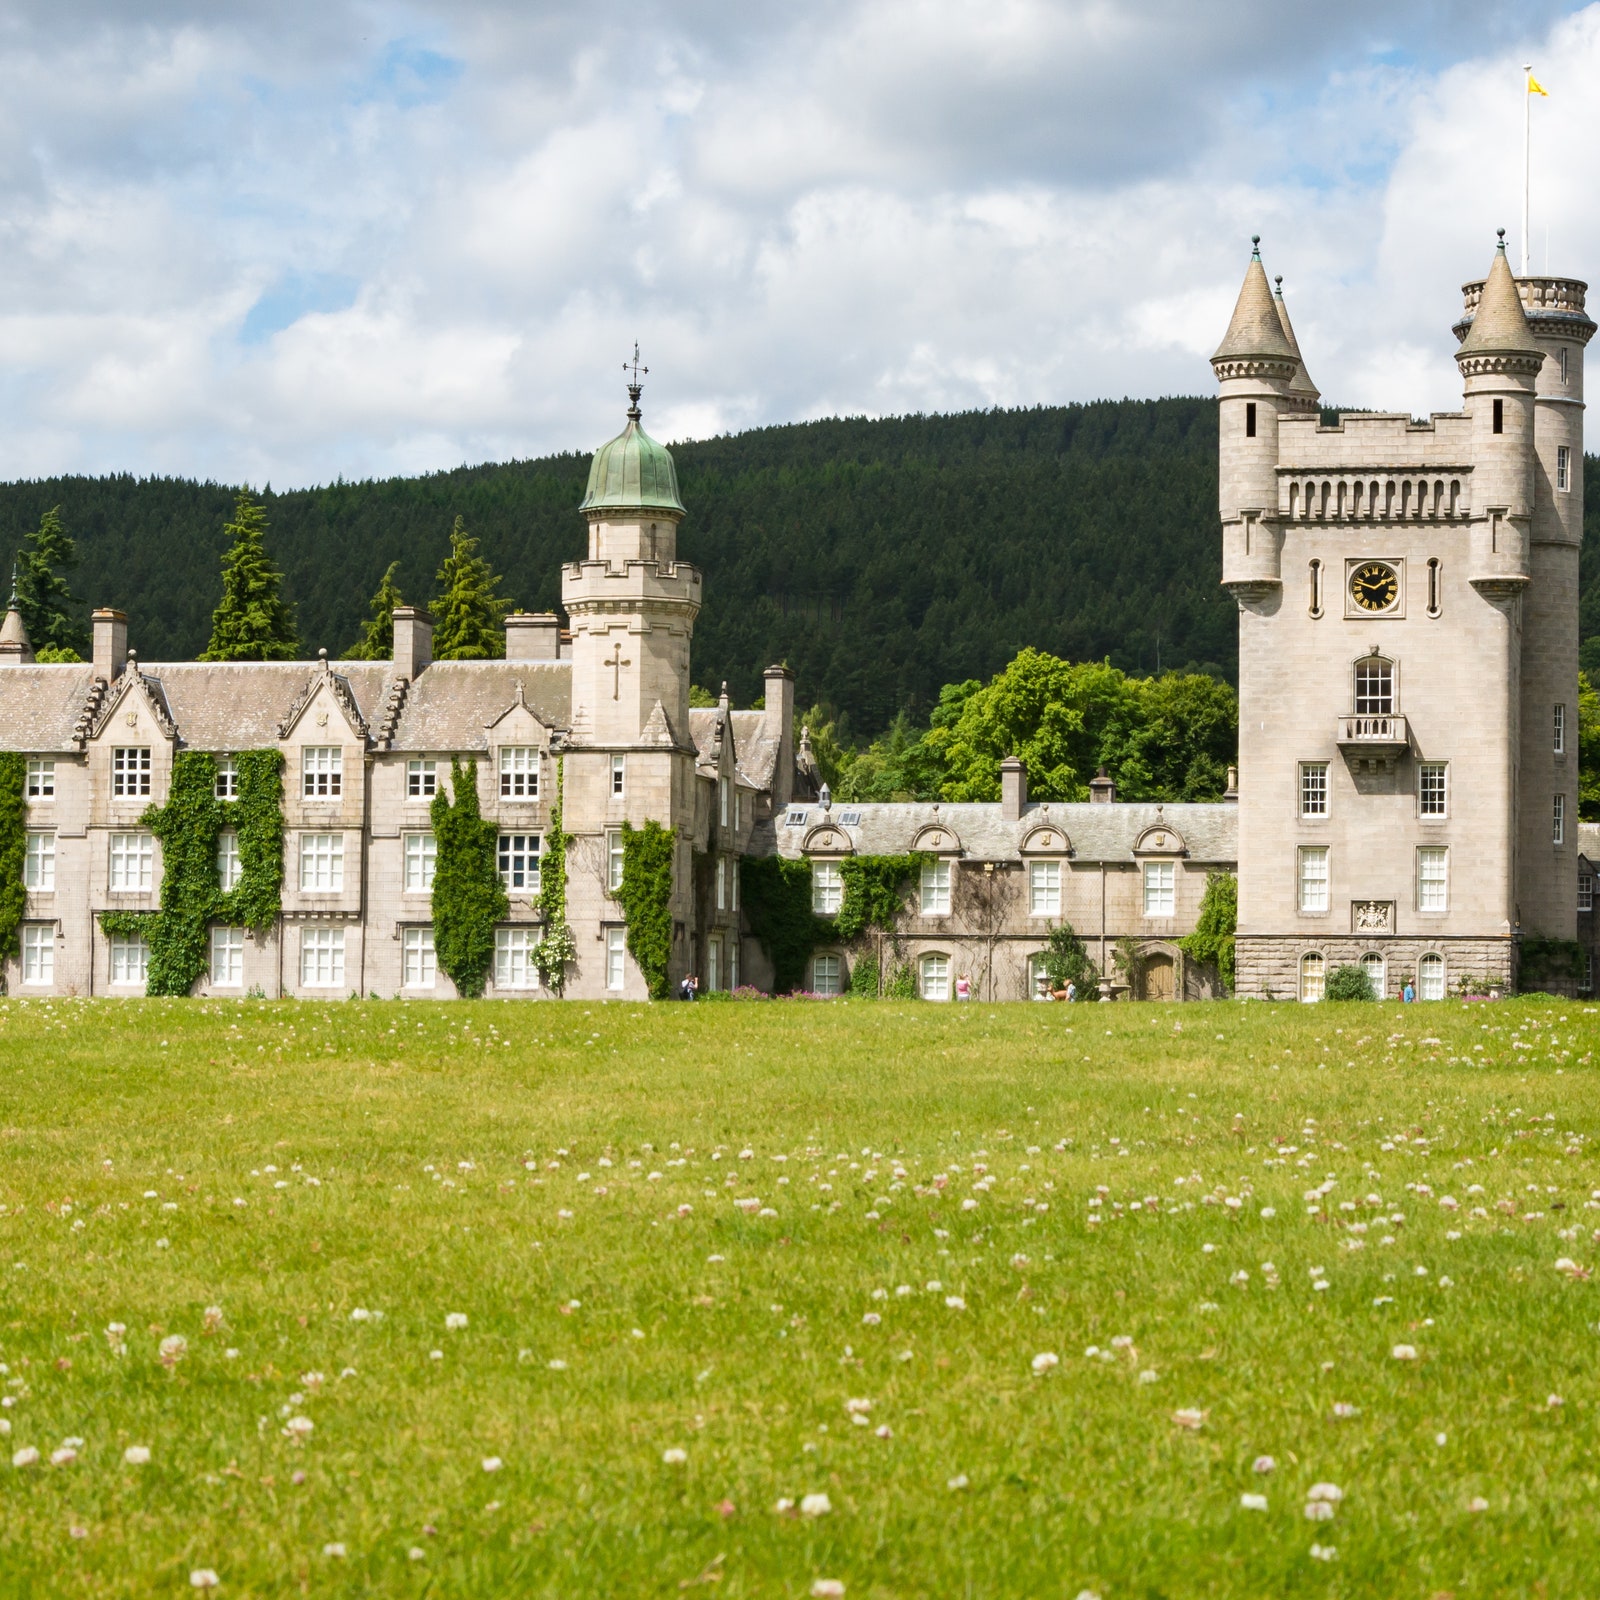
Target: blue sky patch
295,295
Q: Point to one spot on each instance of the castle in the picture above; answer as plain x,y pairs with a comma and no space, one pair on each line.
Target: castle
1408,640
1407,793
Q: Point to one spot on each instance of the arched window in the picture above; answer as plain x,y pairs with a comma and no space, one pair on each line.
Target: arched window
935,971
1374,687
1430,977
1312,972
1377,970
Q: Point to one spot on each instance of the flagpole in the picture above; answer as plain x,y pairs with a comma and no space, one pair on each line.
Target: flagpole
1527,100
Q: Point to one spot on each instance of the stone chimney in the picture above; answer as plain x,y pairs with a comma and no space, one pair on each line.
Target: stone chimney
778,725
1102,790
110,643
413,641
1013,789
533,636
1232,791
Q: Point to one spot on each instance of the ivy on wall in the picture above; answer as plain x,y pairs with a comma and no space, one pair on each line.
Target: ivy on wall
875,891
1213,938
13,849
646,900
777,900
468,897
256,901
557,948
192,897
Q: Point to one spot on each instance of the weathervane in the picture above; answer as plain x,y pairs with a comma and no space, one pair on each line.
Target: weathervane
635,389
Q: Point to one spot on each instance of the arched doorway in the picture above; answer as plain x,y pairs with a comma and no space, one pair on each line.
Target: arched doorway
1159,976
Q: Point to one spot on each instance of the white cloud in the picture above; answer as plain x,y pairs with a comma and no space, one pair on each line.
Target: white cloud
293,241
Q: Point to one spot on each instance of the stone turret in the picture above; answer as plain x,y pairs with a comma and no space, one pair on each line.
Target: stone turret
1302,391
1257,365
16,650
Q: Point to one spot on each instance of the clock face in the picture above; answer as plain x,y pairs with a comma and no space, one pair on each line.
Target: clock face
1374,586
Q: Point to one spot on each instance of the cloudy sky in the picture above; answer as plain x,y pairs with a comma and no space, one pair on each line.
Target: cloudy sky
285,240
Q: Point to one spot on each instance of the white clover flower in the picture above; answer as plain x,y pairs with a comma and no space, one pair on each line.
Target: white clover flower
416,1553
299,1429
1330,1493
1319,1511
492,1463
854,1406
137,1455
1253,1502
334,1552
64,1457
1404,1352
203,1578
826,1589
1044,1361
27,1456
871,1319
1264,1464
1477,1503
557,1365
1149,1376
1190,1417
173,1349
815,1505
360,1314
1323,1552
674,1457
784,1504
955,1302
957,1482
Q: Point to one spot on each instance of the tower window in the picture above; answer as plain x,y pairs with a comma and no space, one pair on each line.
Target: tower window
1250,419
1499,416
1560,731
1433,587
1558,820
1561,362
1563,468
1374,688
1316,589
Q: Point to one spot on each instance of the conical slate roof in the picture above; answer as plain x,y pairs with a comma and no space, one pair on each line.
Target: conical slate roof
1256,328
1300,385
12,630
1499,324
633,472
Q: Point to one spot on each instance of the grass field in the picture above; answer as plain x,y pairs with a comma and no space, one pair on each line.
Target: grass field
722,1259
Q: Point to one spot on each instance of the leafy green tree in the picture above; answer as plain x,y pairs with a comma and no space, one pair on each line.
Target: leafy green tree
1588,750
468,616
43,598
1066,960
377,632
899,765
253,622
700,699
1350,982
1185,734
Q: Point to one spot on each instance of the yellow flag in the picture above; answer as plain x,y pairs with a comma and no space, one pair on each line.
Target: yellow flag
1535,87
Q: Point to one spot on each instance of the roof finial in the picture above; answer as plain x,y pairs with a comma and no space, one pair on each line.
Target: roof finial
635,389
1255,246
1500,234
15,602
1277,284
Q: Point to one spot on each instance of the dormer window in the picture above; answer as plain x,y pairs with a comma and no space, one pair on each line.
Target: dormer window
1374,687
519,772
130,771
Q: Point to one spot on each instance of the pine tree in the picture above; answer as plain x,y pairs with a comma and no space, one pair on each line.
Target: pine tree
469,617
253,622
42,593
377,632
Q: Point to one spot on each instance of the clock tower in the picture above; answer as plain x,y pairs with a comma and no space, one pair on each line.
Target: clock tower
1407,598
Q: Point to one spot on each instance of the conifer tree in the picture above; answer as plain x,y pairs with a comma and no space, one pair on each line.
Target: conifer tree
377,632
253,622
468,616
43,597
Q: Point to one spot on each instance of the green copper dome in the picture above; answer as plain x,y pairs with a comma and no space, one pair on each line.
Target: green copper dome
633,472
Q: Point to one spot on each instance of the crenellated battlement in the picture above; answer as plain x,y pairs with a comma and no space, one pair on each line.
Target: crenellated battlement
1376,442
1552,306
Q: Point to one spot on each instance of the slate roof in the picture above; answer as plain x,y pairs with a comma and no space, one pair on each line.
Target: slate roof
40,706
239,705
1210,832
755,755
452,703
1589,841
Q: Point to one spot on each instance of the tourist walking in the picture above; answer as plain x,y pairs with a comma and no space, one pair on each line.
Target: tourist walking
963,987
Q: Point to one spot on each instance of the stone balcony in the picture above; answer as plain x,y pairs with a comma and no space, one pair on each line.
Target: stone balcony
1382,734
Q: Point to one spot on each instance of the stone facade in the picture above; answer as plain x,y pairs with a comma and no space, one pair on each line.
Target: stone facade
1407,599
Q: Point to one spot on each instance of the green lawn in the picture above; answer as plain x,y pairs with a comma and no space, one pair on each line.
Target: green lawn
569,1179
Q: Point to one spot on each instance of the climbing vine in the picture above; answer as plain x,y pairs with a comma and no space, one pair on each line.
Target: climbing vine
192,897
557,948
1213,937
13,849
646,899
468,897
875,891
777,900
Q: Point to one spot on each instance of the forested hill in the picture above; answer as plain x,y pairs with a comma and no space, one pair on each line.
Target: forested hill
881,559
